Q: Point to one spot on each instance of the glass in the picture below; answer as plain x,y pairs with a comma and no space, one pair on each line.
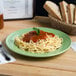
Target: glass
1,16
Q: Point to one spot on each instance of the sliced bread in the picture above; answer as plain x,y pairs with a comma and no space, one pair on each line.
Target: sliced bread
52,9
71,13
64,13
75,15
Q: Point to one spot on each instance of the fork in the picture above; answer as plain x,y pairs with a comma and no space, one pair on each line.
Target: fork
3,52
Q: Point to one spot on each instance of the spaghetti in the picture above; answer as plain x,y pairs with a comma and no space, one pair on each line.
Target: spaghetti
42,43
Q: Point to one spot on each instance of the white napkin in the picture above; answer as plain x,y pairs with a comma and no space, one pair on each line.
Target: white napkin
2,58
4,61
73,46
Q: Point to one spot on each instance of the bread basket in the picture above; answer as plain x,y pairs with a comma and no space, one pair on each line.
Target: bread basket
67,28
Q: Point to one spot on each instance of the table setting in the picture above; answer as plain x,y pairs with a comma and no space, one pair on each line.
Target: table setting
42,46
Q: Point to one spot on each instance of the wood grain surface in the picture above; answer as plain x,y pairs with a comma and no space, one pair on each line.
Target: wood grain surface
61,65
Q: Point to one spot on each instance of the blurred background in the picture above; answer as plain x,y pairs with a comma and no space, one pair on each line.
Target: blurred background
40,11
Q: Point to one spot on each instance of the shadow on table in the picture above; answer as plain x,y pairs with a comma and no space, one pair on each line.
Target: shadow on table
4,75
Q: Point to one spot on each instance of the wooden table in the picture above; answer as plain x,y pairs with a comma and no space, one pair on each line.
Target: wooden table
62,65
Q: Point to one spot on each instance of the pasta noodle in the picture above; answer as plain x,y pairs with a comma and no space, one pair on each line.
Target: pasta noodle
41,46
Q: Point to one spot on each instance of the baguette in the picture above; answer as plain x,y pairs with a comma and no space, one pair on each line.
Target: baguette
75,15
71,13
52,9
64,13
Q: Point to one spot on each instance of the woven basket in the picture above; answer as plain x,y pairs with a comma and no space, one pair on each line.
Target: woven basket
67,28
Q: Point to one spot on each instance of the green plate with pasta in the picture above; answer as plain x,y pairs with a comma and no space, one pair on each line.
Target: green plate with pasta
65,45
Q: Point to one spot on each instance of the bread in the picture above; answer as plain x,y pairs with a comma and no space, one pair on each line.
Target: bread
64,13
75,15
52,9
71,13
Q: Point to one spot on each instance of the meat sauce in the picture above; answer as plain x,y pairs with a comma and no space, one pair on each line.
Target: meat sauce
34,37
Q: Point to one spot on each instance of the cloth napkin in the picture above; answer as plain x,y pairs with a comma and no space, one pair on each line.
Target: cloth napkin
2,58
3,61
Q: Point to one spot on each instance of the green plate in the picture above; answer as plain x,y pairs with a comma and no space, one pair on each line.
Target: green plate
65,44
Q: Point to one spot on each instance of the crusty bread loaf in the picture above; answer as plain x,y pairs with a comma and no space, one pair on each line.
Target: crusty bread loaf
64,13
52,9
75,15
71,13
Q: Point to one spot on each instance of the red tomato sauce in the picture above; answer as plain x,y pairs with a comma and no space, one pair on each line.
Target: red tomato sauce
34,37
